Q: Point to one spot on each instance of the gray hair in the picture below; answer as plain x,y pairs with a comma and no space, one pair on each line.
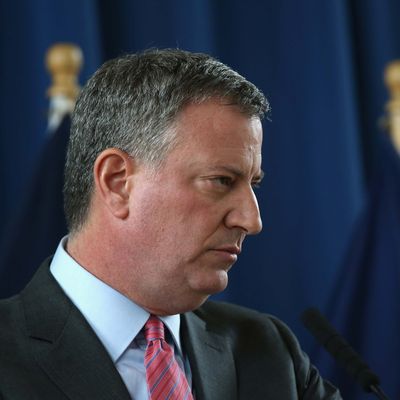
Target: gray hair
131,102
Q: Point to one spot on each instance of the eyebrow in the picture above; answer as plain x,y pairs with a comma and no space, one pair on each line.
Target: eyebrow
258,178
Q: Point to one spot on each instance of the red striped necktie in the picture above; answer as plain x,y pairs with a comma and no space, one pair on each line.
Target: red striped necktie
165,379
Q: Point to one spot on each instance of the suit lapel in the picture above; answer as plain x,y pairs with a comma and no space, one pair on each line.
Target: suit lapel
211,360
65,346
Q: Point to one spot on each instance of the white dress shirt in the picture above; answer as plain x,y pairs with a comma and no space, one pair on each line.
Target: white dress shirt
115,319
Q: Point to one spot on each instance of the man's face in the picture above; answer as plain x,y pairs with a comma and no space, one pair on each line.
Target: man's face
188,220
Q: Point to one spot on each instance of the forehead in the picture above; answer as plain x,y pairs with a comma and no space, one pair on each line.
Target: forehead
215,123
215,136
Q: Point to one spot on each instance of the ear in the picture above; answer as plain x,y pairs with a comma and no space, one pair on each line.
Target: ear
112,170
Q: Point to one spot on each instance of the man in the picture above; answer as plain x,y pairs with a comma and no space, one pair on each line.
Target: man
164,152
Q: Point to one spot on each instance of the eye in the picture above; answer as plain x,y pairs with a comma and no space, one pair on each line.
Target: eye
223,181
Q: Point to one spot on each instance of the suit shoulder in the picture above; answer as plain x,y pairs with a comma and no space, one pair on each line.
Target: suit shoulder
233,317
233,312
262,342
9,308
220,307
11,319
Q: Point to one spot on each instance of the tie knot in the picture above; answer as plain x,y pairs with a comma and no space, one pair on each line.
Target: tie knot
154,329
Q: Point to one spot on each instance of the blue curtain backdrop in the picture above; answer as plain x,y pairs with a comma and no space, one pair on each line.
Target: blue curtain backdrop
320,63
365,305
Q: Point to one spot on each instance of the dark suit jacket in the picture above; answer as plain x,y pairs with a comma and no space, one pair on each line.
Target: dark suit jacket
49,352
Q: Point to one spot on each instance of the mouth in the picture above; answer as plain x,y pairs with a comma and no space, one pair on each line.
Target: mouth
228,253
230,249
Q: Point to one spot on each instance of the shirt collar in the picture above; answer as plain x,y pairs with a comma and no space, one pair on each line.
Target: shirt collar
115,319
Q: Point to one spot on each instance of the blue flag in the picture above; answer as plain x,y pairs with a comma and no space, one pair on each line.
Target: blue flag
37,228
365,308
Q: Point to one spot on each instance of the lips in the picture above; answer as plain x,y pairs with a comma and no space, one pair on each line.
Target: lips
227,254
235,250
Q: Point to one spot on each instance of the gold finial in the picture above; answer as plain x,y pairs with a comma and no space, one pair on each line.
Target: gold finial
392,80
64,61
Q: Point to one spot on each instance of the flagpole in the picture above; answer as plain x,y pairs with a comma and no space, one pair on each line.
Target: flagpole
64,62
392,80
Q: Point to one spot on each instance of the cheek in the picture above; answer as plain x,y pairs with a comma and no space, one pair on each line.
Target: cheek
174,217
158,216
172,205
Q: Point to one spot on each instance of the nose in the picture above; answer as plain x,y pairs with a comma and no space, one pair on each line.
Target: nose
244,213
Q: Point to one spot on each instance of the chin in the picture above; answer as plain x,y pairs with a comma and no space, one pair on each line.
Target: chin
198,303
190,305
214,284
